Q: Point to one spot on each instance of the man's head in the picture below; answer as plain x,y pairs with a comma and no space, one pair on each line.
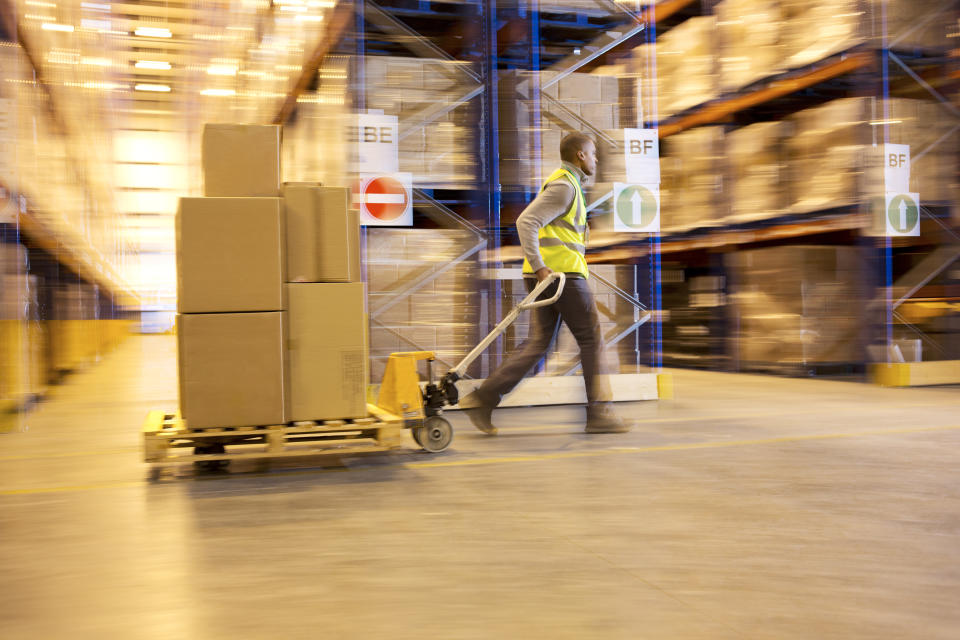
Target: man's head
579,150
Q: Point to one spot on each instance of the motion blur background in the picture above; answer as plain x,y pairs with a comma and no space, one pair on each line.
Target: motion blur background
770,114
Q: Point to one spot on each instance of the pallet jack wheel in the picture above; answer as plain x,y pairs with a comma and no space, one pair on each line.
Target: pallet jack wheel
211,465
435,435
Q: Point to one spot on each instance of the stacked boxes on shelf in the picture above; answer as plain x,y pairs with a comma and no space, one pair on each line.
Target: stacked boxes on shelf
797,306
695,325
827,153
685,70
758,177
255,349
439,153
750,38
577,102
692,173
418,301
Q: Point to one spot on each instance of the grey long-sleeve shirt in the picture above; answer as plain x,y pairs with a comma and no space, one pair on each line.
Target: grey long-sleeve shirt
550,204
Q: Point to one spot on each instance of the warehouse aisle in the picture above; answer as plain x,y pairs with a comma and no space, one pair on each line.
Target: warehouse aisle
748,507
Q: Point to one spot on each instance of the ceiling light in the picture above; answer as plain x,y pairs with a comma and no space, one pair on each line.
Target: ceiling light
53,26
153,32
303,18
323,4
97,62
152,64
218,92
222,70
38,3
159,88
96,6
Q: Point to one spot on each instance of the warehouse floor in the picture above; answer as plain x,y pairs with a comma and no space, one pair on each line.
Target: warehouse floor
749,507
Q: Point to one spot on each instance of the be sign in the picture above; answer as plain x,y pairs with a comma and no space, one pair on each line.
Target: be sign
375,139
385,200
641,148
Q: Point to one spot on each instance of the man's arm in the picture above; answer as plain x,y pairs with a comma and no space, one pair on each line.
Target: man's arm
550,204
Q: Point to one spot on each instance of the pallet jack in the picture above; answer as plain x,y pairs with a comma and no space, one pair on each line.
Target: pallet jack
421,407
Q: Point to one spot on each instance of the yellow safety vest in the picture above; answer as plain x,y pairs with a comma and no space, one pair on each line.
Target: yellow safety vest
563,242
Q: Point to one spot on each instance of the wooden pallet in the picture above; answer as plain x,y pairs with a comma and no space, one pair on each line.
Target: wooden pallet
167,440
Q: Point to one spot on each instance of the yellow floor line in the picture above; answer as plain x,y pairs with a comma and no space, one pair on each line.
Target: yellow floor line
670,447
535,457
72,454
741,416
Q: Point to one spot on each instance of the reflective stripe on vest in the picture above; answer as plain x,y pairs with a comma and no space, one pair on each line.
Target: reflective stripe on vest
563,242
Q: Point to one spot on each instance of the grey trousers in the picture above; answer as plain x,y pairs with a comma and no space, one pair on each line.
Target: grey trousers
576,308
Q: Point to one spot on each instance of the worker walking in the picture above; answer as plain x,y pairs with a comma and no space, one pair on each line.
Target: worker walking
553,233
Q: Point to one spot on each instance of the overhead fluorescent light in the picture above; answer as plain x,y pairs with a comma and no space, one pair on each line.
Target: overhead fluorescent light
153,32
38,3
159,88
152,64
95,25
218,92
222,70
96,62
95,6
53,26
303,18
323,4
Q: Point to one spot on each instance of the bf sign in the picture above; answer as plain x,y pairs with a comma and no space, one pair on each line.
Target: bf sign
641,148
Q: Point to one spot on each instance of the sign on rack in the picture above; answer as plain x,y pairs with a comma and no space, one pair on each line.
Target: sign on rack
901,211
385,200
636,208
641,150
375,138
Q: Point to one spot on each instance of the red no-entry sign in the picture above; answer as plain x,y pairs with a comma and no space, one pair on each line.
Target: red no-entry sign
385,200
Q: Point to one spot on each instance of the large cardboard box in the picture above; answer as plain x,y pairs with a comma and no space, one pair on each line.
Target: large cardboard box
241,160
232,369
328,351
230,255
323,234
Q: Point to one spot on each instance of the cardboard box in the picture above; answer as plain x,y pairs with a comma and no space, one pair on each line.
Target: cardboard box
323,234
328,351
232,369
241,160
230,255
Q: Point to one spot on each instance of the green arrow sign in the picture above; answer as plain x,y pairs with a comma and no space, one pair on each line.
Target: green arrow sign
636,206
902,213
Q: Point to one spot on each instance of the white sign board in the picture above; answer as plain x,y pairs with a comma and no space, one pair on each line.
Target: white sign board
896,168
636,208
375,138
385,200
641,150
902,214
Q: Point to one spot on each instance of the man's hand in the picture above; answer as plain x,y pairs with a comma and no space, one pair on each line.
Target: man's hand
543,273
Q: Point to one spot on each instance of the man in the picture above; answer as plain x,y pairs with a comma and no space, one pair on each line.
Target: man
553,233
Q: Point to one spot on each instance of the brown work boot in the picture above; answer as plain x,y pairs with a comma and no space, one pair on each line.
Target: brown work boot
480,414
605,420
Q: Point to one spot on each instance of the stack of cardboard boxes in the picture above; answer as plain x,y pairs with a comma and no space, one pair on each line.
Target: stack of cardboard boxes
271,321
439,152
798,306
693,179
576,100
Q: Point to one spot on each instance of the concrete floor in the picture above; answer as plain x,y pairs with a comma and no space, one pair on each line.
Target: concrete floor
749,507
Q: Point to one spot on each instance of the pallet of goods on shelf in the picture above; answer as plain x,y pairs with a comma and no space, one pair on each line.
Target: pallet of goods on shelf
795,308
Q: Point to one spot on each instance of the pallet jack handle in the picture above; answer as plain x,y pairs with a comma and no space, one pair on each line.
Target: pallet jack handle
447,384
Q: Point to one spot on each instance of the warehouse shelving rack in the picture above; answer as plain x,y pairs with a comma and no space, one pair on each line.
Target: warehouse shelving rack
878,67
